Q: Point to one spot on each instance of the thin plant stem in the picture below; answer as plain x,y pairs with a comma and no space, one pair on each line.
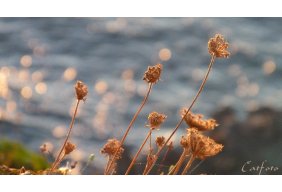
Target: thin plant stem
130,124
179,163
57,160
162,162
138,152
189,109
192,158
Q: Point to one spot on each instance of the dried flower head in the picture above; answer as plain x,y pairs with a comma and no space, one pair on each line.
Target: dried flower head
111,147
156,119
81,90
184,142
217,46
201,146
195,120
153,73
69,148
160,141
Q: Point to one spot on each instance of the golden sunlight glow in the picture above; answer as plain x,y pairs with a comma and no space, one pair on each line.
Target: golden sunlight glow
69,74
269,67
41,88
23,75
4,88
59,131
127,74
11,106
101,87
165,54
26,92
26,61
253,89
6,71
37,76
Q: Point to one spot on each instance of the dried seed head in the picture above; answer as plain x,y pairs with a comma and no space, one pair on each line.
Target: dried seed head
201,146
217,46
184,142
195,120
153,73
69,148
160,141
111,147
81,90
156,119
43,148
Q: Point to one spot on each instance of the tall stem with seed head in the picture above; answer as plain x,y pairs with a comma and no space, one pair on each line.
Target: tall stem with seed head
138,152
130,125
57,160
189,109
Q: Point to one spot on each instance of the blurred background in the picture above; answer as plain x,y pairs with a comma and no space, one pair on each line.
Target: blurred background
41,59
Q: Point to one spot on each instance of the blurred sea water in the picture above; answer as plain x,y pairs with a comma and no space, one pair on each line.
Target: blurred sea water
41,59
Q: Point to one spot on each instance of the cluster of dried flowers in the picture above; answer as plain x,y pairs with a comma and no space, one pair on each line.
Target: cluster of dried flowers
195,144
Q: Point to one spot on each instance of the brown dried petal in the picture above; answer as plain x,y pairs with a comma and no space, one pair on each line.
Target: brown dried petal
201,146
81,90
69,148
153,73
156,119
217,47
111,147
160,141
195,120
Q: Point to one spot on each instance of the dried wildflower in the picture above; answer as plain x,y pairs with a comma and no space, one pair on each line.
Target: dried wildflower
195,120
184,142
217,46
153,73
156,119
160,141
69,148
201,146
111,147
43,148
81,90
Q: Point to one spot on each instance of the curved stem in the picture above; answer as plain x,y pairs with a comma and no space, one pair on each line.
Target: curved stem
188,165
138,152
55,164
189,109
131,123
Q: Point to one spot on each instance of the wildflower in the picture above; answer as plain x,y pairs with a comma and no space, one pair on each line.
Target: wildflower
69,148
160,141
153,73
217,46
184,142
195,120
201,146
81,90
111,147
156,119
